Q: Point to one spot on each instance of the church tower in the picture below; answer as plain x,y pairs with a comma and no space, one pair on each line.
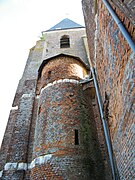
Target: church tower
52,127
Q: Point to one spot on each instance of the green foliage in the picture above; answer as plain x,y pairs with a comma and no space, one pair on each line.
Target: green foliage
42,38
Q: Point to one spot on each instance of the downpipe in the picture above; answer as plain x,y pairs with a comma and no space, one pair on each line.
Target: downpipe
107,137
120,25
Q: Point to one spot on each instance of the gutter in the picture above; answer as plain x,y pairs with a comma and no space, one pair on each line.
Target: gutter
120,25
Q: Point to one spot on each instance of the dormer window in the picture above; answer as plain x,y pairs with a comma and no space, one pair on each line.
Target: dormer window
65,42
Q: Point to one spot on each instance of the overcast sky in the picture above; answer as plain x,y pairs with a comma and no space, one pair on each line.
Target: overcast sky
21,23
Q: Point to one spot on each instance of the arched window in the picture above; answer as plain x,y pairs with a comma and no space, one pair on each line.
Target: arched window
65,42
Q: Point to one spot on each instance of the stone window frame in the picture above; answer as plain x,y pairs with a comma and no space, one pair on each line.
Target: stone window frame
65,41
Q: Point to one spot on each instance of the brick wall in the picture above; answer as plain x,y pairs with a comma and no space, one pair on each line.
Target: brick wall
29,139
126,6
89,16
114,64
63,108
124,10
89,91
7,139
71,68
15,143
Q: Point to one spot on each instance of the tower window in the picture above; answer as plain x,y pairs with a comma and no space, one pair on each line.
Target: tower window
39,111
65,42
49,74
76,137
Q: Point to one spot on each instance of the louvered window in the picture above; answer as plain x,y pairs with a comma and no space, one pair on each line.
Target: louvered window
65,42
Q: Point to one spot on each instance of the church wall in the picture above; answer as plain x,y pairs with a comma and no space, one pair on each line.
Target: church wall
52,43
69,68
16,138
114,65
17,142
7,138
63,108
128,7
27,153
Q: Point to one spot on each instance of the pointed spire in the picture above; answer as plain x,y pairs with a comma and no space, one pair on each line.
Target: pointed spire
65,24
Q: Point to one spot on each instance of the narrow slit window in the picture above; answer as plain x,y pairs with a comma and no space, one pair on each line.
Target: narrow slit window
76,137
65,42
49,74
39,110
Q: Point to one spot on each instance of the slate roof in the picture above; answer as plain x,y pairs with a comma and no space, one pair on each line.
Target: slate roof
65,24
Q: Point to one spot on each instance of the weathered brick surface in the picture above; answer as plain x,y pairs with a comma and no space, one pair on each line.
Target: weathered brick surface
89,13
66,167
18,146
32,129
48,116
55,69
114,64
63,107
46,172
16,175
124,11
14,148
7,138
90,94
127,7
